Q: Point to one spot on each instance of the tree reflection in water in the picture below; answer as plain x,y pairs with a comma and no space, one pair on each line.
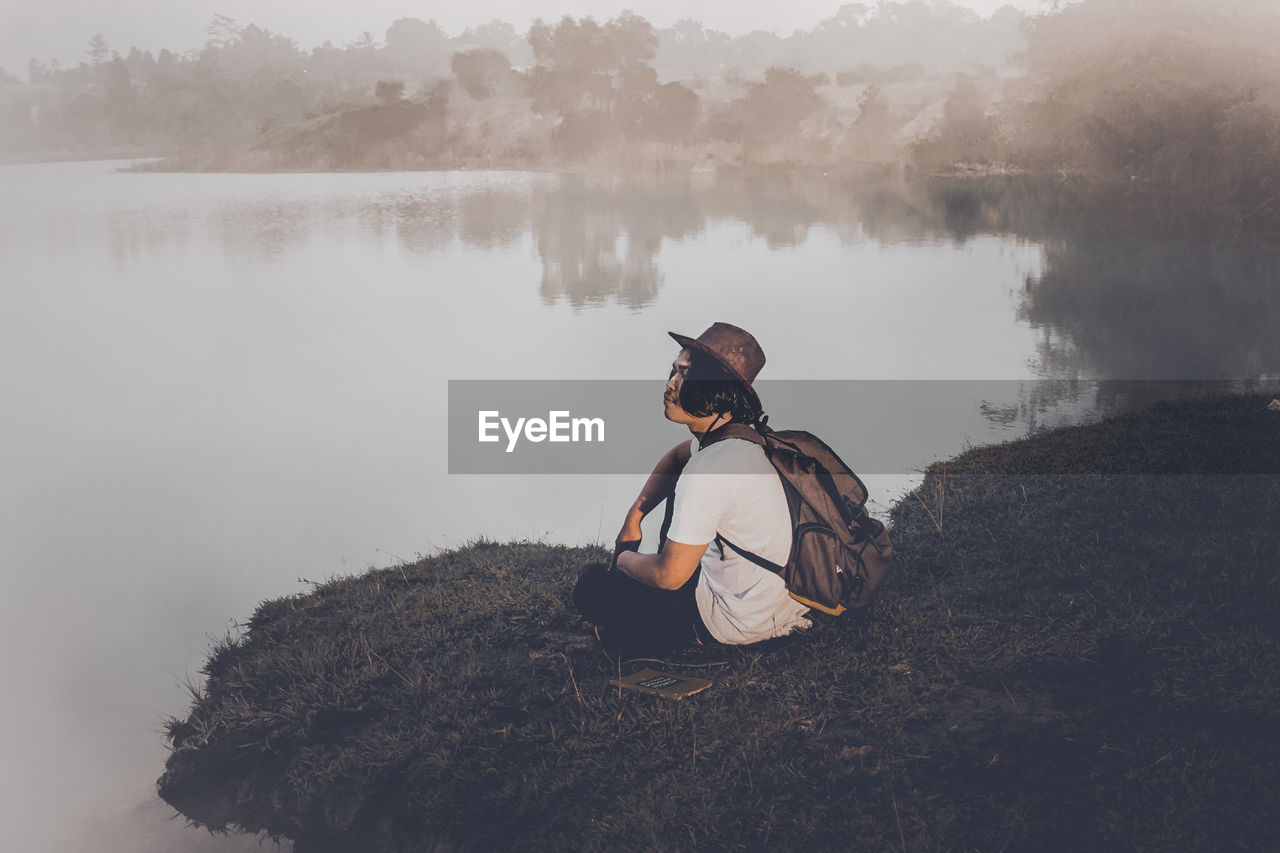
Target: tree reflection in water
1127,288
601,241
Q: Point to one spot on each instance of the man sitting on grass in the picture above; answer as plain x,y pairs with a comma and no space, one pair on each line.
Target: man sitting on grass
695,589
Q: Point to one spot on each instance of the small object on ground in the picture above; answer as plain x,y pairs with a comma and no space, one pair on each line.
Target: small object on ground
662,684
1274,405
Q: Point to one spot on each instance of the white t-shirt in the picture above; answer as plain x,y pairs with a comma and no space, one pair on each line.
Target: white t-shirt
730,488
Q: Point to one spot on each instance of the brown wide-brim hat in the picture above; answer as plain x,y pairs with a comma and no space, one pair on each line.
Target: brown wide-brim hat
734,348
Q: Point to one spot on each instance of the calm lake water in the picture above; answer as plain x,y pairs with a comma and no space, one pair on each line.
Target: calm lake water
219,386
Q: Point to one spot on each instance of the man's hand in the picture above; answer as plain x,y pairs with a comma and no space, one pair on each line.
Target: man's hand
623,543
629,536
659,487
630,532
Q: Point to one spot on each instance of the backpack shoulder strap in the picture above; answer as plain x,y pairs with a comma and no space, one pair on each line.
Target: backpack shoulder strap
733,429
755,558
754,435
730,430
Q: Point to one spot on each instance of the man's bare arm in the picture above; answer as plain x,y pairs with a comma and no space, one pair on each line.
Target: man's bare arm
660,486
668,569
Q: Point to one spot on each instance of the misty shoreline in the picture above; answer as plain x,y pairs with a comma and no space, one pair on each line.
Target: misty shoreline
636,163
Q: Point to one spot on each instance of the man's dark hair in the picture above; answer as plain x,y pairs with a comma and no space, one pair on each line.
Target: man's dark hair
709,387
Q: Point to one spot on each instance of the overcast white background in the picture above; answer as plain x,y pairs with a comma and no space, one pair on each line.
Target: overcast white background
60,29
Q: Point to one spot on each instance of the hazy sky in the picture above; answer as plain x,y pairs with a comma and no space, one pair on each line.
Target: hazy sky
59,29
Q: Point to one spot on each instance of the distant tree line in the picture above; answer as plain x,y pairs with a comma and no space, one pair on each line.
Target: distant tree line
1171,94
246,78
1176,96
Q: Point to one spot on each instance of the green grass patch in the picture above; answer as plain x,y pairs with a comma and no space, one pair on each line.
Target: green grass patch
1076,651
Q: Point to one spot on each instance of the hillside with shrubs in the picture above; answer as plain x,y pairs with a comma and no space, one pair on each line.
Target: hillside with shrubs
1173,98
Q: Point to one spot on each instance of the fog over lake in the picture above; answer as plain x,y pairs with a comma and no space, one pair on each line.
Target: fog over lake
221,387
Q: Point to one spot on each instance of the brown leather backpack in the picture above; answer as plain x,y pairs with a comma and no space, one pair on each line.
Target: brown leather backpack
840,555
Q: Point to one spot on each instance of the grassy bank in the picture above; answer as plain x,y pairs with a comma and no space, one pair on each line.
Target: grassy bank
1076,652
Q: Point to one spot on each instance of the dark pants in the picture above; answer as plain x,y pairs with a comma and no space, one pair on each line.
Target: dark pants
639,619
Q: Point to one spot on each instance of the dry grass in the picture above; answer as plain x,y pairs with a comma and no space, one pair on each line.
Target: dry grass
1082,657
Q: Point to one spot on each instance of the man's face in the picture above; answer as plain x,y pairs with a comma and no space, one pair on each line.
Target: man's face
671,397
